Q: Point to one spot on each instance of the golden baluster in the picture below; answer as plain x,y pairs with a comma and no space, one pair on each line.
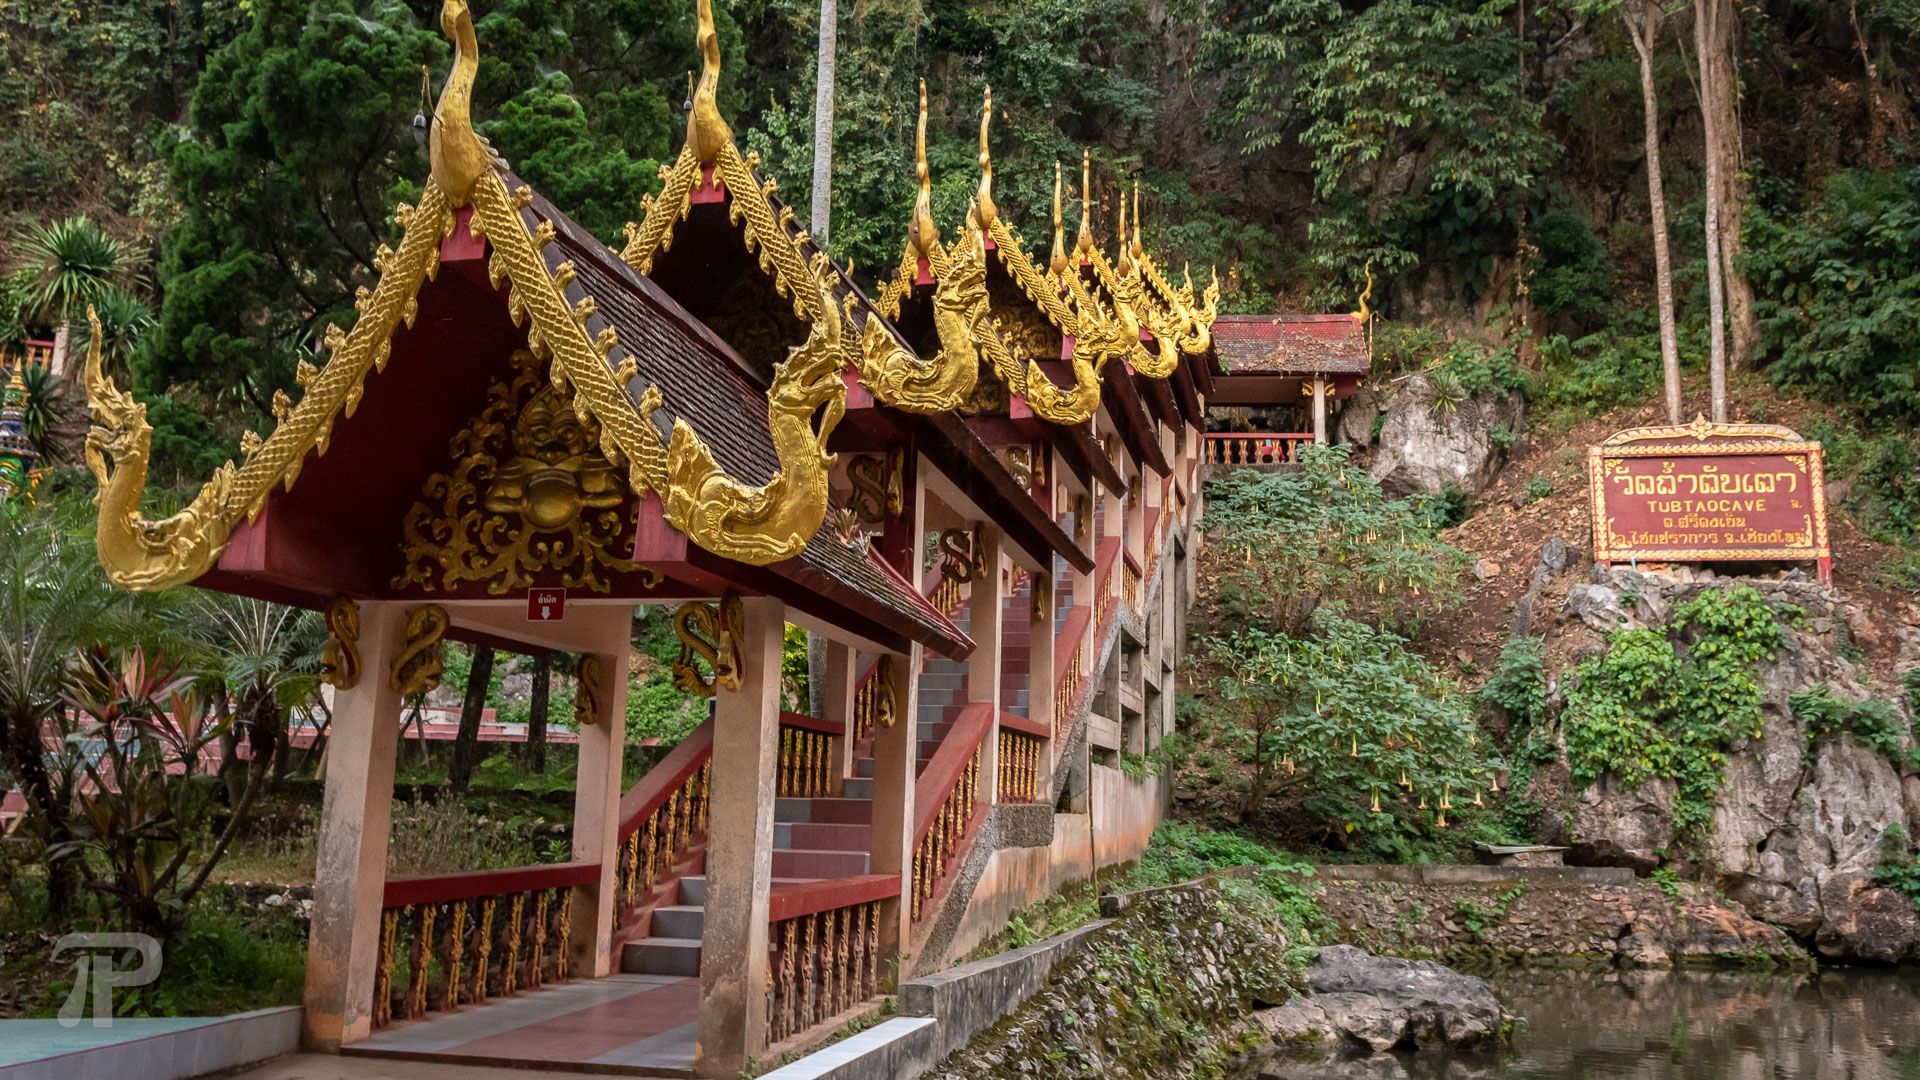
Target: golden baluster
383,973
632,848
562,957
788,997
873,947
483,950
540,912
653,845
829,986
672,832
420,961
858,968
809,979
456,952
510,967
706,793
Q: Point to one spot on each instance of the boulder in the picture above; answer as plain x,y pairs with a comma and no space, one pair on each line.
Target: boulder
1366,1004
1427,444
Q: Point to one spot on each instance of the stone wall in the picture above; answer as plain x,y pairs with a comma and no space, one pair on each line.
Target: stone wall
1544,917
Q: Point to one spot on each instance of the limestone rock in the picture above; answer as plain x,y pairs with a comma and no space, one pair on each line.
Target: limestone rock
1598,606
1427,444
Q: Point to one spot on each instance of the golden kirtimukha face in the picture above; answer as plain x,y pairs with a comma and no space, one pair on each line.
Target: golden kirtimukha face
555,474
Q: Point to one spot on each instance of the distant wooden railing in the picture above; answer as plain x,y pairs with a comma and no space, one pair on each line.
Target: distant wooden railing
1255,448
451,939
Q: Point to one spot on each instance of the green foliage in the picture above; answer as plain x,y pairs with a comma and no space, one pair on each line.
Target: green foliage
1837,290
1477,916
1443,511
1877,724
795,673
1373,741
1480,370
1601,371
1434,86
1572,277
1539,488
1883,478
1899,869
226,958
1667,705
1518,687
125,317
1910,683
74,262
1669,881
659,710
1320,533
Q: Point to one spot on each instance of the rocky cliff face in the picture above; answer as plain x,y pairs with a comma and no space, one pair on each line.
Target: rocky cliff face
1796,827
1427,443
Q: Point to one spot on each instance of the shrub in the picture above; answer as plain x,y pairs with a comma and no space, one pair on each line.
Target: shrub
1539,488
1518,687
1573,276
1595,373
1323,532
1372,739
1875,723
1667,704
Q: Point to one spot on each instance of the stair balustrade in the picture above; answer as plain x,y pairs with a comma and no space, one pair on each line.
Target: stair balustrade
661,818
947,802
1254,448
453,939
1023,746
1069,662
809,759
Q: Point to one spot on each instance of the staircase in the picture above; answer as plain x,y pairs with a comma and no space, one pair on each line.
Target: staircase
828,837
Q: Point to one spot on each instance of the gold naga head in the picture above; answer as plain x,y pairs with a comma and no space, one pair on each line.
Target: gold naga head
1058,263
456,155
922,234
1139,250
984,198
707,131
1121,261
1365,294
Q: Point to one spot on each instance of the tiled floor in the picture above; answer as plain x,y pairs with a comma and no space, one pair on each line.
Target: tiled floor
623,1023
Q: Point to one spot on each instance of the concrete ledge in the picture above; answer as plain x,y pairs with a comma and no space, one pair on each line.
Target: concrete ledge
1113,905
158,1049
971,998
1476,875
900,1047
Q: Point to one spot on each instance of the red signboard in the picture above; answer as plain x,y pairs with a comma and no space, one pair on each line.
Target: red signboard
546,605
1708,491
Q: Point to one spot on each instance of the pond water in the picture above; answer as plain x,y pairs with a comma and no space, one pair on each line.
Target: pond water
1853,1024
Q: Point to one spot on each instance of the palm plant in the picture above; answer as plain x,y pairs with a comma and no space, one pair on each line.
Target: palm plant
54,601
124,318
257,660
74,262
46,409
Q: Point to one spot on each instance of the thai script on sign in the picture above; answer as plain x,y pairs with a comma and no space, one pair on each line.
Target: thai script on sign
1708,491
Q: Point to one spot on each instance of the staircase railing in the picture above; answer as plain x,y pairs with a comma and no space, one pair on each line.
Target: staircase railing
1069,662
1022,758
450,939
1255,448
661,817
823,951
809,757
947,801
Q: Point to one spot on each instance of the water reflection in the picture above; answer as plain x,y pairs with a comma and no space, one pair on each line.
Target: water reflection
1843,1024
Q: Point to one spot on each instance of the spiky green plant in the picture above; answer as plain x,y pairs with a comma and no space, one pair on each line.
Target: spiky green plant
46,409
74,262
125,317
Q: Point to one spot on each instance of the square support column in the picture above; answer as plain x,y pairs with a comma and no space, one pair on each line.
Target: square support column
350,863
1319,389
1040,673
986,621
891,838
596,798
836,702
734,980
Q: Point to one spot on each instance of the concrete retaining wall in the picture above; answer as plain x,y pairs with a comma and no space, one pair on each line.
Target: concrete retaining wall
150,1049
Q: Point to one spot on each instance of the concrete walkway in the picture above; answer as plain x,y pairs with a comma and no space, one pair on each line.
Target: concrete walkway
331,1067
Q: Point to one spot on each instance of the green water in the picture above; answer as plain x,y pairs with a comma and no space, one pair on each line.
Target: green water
1857,1024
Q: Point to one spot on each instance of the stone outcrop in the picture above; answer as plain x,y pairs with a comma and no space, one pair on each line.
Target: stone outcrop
1546,919
1427,444
1796,829
1366,1003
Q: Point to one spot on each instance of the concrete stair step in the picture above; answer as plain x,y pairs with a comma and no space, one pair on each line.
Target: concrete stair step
857,787
863,766
693,889
806,835
819,864
681,921
825,811
661,956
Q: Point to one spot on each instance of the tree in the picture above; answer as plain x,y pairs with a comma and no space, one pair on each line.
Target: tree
54,602
537,712
74,262
1720,95
466,741
258,660
824,72
1643,18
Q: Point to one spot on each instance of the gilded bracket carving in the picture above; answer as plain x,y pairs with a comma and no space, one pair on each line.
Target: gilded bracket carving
340,660
709,633
417,667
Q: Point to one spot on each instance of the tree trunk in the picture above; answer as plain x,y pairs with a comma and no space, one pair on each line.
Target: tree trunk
537,713
1645,34
466,742
1721,95
26,758
823,122
1705,14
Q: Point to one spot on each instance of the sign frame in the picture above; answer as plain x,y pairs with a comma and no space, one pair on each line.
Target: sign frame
540,600
1703,438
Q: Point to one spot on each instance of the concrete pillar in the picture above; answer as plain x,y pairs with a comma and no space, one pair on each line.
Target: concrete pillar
895,756
836,703
1040,672
350,863
733,957
596,796
986,625
1320,389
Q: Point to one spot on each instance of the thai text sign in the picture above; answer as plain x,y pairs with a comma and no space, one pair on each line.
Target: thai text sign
1708,491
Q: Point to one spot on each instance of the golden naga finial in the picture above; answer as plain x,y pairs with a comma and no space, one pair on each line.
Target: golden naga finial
707,132
1139,251
456,154
984,198
922,234
1058,263
1120,230
1365,294
1083,243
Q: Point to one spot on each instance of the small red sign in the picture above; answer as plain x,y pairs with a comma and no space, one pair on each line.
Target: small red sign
546,605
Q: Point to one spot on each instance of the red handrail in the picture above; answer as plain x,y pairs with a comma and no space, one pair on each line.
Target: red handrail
661,781
467,885
1068,642
944,770
803,722
1016,722
811,897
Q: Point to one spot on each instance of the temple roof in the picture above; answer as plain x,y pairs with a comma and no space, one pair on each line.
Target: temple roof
1291,345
